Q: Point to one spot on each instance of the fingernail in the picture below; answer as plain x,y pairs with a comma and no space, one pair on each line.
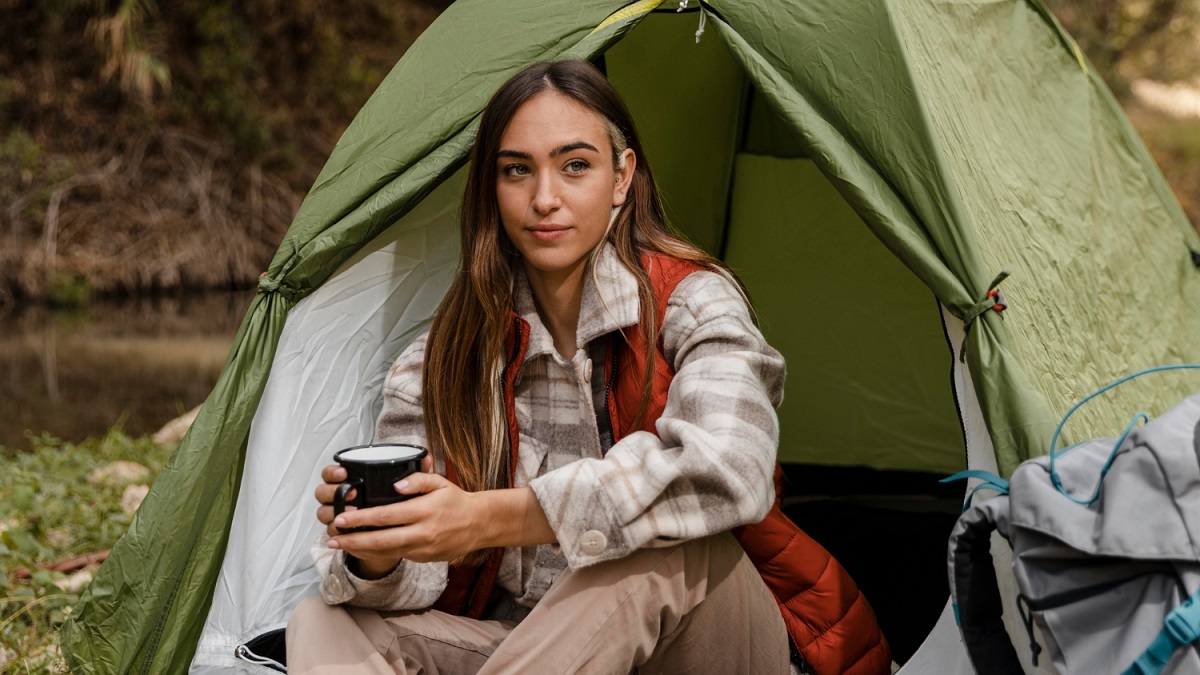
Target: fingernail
333,543
339,522
402,484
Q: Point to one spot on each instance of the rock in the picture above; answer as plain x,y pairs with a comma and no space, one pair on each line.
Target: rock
1180,100
74,583
56,537
172,432
132,498
118,472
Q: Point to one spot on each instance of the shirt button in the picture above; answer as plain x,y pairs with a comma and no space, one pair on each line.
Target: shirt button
335,586
587,370
593,542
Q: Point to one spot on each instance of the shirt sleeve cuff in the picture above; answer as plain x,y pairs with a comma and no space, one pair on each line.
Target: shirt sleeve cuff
588,528
409,586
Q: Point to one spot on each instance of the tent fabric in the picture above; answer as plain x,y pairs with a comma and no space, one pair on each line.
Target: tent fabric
853,399
965,136
323,394
1098,245
943,651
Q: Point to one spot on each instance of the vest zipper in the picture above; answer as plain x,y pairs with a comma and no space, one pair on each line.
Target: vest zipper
608,387
506,396
517,350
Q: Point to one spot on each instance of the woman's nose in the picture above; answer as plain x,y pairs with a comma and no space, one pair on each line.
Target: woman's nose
546,198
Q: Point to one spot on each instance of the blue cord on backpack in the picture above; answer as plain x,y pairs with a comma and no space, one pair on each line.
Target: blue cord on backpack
990,482
1141,416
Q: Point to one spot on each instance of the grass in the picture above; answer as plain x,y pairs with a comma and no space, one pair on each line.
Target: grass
58,503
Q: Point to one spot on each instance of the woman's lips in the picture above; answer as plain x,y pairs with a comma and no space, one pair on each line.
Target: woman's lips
548,232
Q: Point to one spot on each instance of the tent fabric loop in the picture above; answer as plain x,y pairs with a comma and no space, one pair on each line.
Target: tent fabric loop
268,284
993,299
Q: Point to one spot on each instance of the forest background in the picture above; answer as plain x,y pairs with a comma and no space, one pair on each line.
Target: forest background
149,146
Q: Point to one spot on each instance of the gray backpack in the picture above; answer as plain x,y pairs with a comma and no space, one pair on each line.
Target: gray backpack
1106,554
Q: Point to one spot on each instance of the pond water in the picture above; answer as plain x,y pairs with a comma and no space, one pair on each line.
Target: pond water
138,362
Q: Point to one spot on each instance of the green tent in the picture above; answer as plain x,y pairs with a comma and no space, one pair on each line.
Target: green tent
868,167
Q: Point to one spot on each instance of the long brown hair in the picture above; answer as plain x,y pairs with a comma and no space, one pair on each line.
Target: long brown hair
464,414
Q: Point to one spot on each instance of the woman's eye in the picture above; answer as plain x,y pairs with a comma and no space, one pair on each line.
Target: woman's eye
515,170
576,166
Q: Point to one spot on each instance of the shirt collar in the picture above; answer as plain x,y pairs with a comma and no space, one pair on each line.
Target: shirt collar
609,302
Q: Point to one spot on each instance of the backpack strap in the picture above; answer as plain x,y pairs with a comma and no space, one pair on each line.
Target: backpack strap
1181,627
975,593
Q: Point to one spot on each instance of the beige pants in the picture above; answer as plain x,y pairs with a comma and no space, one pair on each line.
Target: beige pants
699,607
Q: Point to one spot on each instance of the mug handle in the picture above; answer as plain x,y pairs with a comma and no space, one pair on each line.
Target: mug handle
339,499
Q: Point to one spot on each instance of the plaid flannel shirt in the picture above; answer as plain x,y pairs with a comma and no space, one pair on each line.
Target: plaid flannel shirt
708,469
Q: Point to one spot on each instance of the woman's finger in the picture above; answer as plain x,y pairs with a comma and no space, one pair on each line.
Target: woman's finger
325,492
388,542
427,463
421,483
326,515
388,515
333,473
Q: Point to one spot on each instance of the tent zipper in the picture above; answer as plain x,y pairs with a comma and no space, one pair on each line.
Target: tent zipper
243,652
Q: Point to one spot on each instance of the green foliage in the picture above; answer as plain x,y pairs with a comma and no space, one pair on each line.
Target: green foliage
28,175
19,151
263,71
20,164
247,72
1127,39
227,68
1175,144
69,290
56,507
1178,138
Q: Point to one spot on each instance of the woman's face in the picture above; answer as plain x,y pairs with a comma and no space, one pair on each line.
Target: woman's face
555,182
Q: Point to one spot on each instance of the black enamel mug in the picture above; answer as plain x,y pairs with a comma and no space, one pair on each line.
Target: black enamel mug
372,472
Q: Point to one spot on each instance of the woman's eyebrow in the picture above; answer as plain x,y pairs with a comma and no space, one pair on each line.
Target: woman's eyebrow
569,147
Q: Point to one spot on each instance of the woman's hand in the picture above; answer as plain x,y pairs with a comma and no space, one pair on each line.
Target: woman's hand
441,522
368,568
333,475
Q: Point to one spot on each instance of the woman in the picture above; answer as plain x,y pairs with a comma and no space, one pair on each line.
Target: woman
540,547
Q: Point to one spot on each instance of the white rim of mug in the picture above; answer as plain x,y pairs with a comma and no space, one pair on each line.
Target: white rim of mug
418,454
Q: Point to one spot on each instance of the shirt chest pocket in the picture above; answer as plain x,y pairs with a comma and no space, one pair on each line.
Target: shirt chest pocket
555,419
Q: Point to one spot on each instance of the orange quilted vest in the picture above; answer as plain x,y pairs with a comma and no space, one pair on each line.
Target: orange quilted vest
827,617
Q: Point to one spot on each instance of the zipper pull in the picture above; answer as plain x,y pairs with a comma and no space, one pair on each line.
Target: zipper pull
1027,619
